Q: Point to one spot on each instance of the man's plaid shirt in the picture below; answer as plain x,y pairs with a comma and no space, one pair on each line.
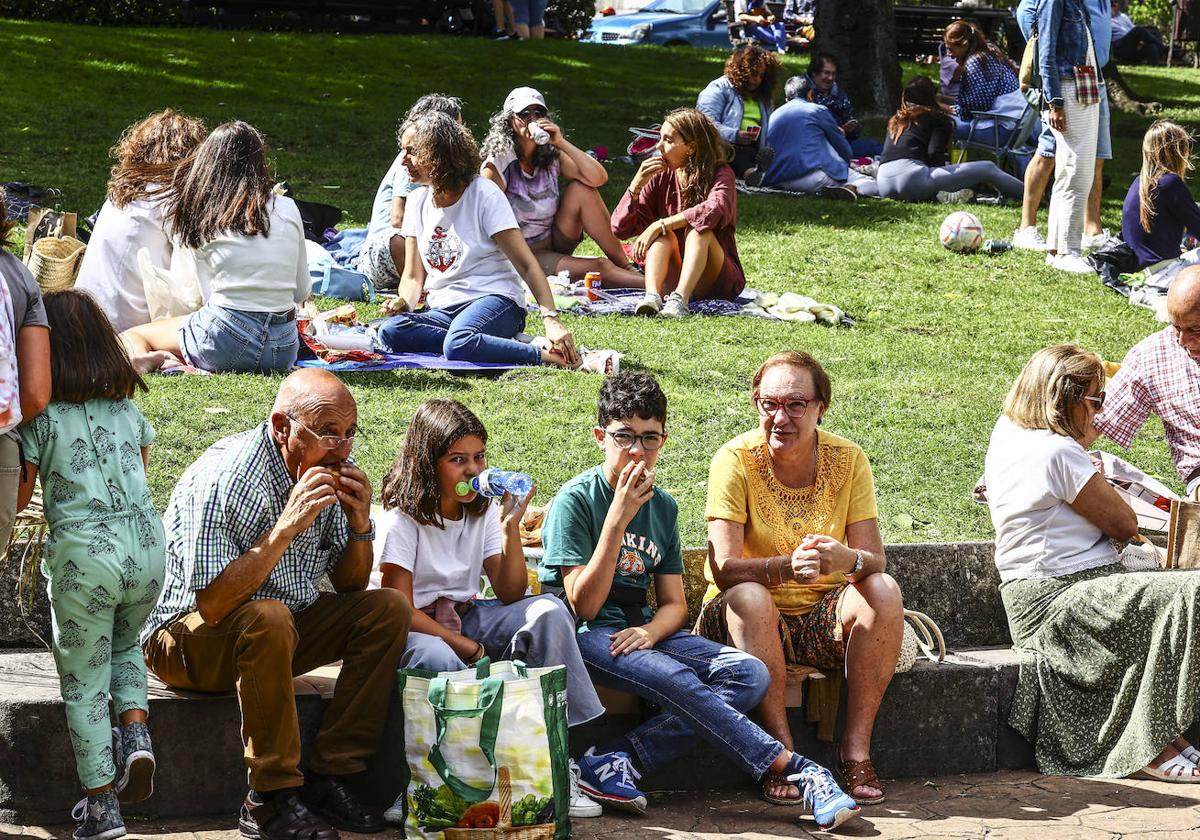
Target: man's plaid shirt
1157,376
226,502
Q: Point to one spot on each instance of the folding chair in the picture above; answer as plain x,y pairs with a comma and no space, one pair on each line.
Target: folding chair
1020,128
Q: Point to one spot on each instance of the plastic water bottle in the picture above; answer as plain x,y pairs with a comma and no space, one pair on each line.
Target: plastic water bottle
539,134
996,246
494,483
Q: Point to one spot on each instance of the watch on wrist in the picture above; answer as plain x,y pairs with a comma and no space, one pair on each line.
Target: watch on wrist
858,562
366,536
549,313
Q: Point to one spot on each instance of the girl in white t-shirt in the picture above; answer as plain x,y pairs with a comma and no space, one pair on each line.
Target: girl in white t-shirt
133,217
247,244
465,253
1109,679
433,547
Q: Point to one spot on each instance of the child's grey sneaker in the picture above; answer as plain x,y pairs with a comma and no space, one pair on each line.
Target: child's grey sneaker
649,306
99,816
135,764
674,307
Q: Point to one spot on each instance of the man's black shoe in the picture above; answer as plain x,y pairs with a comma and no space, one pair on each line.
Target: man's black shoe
330,799
282,816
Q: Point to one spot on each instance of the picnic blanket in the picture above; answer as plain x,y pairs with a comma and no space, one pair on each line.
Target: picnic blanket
788,306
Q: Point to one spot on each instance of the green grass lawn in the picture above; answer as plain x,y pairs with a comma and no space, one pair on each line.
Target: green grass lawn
918,383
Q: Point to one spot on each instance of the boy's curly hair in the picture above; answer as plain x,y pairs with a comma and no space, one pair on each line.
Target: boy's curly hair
631,395
744,62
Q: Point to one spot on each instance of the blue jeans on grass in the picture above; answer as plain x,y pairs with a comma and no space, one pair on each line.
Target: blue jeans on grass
222,340
479,330
702,687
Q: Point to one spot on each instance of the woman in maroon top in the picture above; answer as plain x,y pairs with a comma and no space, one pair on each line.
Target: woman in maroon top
682,207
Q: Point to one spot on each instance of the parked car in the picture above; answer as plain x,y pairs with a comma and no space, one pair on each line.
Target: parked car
696,23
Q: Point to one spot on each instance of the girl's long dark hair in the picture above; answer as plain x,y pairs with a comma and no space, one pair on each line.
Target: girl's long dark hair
919,98
87,360
223,187
411,483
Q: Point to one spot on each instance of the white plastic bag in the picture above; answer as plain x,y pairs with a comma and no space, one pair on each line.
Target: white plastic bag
173,291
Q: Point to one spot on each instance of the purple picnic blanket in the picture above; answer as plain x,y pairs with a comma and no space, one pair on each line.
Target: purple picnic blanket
406,361
624,301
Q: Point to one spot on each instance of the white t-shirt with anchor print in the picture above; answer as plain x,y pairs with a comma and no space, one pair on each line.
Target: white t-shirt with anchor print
462,261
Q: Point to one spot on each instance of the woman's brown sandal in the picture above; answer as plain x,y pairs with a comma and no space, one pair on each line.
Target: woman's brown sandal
858,774
771,779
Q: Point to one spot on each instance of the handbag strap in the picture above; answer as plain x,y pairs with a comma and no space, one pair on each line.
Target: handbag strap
929,635
487,707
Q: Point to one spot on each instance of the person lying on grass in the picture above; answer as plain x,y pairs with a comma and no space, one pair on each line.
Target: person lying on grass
553,222
682,207
464,252
609,534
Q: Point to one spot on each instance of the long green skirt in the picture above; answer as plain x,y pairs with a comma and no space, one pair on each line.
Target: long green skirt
1110,666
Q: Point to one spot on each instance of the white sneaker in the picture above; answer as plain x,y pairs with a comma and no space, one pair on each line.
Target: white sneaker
649,306
962,196
674,307
582,807
395,814
1028,239
1073,263
1101,240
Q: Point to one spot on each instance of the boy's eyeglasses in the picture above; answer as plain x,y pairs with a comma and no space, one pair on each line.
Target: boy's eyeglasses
650,441
331,441
793,408
533,114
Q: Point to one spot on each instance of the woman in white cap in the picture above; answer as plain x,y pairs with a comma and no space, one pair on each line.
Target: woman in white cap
525,154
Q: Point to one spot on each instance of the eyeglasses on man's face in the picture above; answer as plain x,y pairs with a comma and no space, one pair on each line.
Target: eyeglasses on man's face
331,441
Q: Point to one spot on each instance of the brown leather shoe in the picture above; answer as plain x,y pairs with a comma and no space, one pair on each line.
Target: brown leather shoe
282,817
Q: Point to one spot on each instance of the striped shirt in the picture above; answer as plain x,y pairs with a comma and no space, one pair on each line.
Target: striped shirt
226,502
1157,376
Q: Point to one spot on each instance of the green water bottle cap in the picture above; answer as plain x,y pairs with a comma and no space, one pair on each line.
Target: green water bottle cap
462,488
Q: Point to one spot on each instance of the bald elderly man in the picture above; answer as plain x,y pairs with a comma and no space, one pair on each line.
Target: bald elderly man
252,528
1161,375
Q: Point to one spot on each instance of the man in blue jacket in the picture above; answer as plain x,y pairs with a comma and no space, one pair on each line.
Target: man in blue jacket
812,155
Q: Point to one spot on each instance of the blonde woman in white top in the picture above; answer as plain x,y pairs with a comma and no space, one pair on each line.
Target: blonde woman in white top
1110,674
133,216
248,247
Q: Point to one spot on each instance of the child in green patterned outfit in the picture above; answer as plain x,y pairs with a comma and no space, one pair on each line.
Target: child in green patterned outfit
104,557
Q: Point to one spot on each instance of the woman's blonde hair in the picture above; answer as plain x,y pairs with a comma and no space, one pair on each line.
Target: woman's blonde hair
709,151
1167,147
1051,385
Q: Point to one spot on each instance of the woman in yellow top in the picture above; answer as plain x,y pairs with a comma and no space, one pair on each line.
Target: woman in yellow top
796,568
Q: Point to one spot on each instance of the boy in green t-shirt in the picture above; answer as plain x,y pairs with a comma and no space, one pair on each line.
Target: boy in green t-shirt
607,532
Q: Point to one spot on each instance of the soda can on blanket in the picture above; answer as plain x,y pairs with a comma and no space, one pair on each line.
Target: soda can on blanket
591,283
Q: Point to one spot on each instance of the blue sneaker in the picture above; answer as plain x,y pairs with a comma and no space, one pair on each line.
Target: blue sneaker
99,817
608,779
831,806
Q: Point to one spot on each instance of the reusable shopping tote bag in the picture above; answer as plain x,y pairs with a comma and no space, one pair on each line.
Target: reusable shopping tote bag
487,752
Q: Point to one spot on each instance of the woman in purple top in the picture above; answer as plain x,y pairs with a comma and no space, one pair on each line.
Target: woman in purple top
525,154
1158,207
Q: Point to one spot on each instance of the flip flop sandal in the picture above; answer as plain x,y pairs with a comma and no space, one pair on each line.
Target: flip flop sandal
1175,769
772,779
856,774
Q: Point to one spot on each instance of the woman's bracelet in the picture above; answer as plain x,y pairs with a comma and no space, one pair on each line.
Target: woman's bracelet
662,225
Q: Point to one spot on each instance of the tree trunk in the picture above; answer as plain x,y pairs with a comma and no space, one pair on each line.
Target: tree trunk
861,34
1122,97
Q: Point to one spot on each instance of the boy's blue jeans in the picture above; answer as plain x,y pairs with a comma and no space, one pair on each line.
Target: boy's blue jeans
702,687
480,330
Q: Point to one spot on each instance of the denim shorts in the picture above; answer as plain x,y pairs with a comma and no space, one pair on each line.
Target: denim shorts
1046,144
529,12
224,340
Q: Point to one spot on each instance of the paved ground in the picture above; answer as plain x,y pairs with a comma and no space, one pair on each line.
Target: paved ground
1008,806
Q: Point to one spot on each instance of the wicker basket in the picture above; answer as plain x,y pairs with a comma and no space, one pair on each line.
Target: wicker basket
54,262
504,830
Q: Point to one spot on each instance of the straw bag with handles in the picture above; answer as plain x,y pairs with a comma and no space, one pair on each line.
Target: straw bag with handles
1183,533
921,636
54,262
